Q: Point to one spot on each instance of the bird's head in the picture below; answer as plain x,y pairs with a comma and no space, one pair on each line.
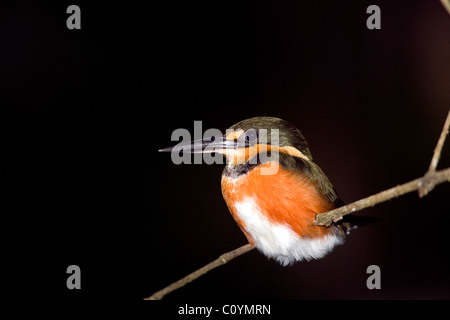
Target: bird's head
251,137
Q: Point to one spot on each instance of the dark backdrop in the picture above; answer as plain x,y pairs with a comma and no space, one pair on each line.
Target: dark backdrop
83,113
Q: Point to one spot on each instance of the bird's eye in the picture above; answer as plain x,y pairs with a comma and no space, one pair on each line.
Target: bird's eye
250,135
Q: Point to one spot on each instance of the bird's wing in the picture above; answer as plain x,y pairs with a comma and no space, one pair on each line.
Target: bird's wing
311,171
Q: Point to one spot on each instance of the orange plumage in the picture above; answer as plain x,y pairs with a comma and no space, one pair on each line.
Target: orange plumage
286,198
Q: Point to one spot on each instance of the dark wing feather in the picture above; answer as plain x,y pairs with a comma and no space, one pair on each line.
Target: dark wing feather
313,172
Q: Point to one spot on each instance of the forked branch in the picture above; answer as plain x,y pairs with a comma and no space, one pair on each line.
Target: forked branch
424,185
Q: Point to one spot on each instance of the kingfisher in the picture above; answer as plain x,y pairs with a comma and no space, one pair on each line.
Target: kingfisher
274,189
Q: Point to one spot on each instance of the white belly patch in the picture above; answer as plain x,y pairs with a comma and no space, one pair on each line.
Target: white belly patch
279,241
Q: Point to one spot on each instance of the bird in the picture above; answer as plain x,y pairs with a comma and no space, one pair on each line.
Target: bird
273,189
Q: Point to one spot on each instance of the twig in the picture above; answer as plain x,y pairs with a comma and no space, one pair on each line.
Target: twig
224,258
427,187
424,184
446,4
440,143
325,219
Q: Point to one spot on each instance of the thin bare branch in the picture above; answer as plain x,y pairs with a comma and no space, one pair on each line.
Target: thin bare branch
439,145
424,185
446,4
427,187
432,179
224,258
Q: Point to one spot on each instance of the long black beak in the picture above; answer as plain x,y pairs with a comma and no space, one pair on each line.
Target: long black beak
207,145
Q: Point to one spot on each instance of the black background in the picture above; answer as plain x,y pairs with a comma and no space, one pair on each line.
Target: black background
83,113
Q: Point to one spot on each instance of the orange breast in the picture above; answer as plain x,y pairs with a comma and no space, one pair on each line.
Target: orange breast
284,198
